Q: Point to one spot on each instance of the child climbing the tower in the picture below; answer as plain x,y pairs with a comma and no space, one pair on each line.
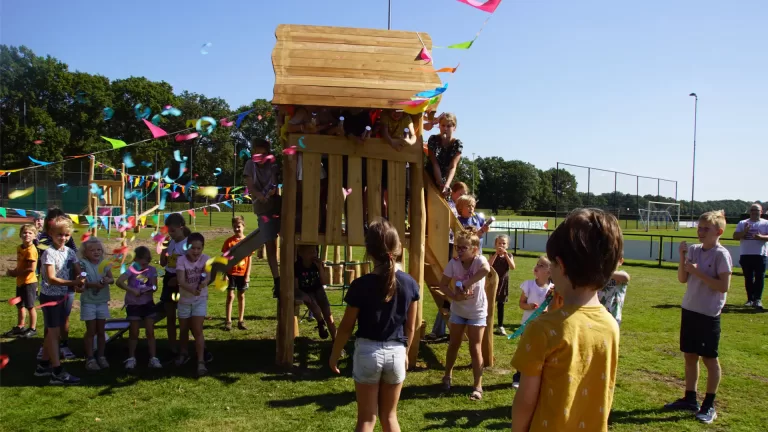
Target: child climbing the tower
177,230
568,358
613,294
193,304
534,292
310,280
444,153
239,277
465,207
94,302
261,178
502,261
464,282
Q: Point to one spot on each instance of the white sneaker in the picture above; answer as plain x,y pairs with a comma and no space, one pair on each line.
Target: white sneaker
515,385
67,353
502,331
201,369
103,363
40,354
130,364
92,365
154,363
758,304
749,303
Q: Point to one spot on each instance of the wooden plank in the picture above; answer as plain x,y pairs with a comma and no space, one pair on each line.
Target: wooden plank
367,63
310,196
355,200
396,192
395,95
329,101
335,206
283,45
400,80
330,53
374,148
354,31
347,82
416,250
301,36
491,284
373,167
438,214
284,342
337,270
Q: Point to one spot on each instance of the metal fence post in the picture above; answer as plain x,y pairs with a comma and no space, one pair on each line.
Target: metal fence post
661,248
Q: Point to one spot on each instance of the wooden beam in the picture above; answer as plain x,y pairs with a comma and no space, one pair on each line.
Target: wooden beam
290,46
352,31
284,343
374,189
354,219
335,206
342,79
297,35
418,217
438,221
374,148
310,196
396,194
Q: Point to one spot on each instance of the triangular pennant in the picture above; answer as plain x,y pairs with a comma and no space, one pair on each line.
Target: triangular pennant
463,45
2,212
216,207
104,221
21,213
116,143
226,203
205,212
191,212
424,55
143,220
485,6
90,220
117,221
157,132
75,218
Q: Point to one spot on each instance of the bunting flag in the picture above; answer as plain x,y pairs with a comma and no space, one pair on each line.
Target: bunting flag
116,143
117,221
191,212
90,220
2,212
432,93
104,221
143,220
463,45
424,55
39,162
485,6
21,213
75,218
447,69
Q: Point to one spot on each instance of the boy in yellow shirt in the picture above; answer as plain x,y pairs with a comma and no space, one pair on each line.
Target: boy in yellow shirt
568,357
26,282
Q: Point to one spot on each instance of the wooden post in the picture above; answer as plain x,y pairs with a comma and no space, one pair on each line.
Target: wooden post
418,237
337,269
121,191
365,268
285,318
91,205
157,203
491,284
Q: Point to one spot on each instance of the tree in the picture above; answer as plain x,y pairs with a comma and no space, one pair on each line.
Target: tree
521,185
564,188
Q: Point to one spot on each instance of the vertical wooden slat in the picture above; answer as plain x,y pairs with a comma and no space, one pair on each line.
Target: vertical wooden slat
284,354
355,234
491,284
374,188
335,205
416,250
337,269
438,221
396,192
310,197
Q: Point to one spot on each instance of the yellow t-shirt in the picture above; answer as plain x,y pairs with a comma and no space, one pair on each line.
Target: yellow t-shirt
575,350
25,255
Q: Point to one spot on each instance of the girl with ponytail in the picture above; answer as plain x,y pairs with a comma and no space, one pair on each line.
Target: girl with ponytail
382,304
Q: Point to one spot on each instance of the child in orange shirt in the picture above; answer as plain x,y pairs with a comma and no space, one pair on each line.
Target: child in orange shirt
26,282
239,276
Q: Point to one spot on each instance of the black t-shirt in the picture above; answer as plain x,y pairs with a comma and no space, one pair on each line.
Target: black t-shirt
309,277
378,320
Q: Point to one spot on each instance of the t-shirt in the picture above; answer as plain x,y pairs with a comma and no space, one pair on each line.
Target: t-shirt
192,275
396,128
535,294
309,277
575,350
92,295
175,250
44,241
476,306
63,261
141,282
443,155
612,297
699,297
749,245
473,221
24,256
241,268
378,320
264,177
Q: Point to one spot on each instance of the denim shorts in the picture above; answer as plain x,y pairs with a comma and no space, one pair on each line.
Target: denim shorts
480,322
94,311
375,361
197,309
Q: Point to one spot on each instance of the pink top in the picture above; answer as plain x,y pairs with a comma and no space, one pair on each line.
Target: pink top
476,306
192,274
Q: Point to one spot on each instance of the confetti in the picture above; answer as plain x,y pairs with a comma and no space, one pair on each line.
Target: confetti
346,192
264,218
169,110
204,48
208,129
208,191
21,193
14,301
175,296
63,187
187,137
146,164
245,153
289,151
39,162
38,141
226,123
217,172
269,158
177,156
259,117
80,96
141,114
301,141
6,233
108,113
128,161
85,237
156,119
4,360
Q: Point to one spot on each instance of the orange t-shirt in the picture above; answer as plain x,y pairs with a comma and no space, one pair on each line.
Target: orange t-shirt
240,268
25,255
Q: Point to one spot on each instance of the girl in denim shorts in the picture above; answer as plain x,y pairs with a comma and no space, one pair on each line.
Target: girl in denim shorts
193,304
94,301
382,303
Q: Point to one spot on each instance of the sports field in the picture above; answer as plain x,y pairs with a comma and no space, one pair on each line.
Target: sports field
244,391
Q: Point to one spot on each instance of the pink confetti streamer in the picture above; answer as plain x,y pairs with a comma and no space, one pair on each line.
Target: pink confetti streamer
226,123
157,132
14,301
4,360
264,218
290,150
485,6
187,137
346,192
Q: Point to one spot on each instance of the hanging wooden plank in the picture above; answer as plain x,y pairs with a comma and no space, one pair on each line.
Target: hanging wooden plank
335,206
354,31
301,36
374,189
355,200
369,64
374,148
317,53
331,48
416,248
296,90
310,196
437,222
344,78
396,192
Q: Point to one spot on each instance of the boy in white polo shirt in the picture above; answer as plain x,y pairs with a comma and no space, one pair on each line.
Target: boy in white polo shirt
753,236
706,267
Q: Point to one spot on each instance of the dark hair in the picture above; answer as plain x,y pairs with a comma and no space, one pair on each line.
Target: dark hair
53,213
142,252
260,143
238,220
177,220
196,237
382,243
590,244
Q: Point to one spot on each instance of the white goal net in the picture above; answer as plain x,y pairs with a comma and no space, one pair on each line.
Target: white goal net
660,215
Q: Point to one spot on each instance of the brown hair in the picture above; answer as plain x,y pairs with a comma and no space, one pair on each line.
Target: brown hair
27,227
714,217
142,252
466,200
382,243
238,220
177,220
450,118
459,186
53,213
589,243
469,234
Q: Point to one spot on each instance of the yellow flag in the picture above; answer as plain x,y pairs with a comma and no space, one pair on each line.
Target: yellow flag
143,220
75,218
135,182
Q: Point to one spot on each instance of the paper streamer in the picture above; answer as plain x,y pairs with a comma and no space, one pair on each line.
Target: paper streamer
21,193
39,162
226,123
128,160
169,110
146,164
63,187
204,48
14,301
116,143
485,6
141,114
535,314
108,113
177,156
37,141
156,119
208,129
241,116
4,360
156,131
187,137
301,142
432,93
447,69
289,151
217,172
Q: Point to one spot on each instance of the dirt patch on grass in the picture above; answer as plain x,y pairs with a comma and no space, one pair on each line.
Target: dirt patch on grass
660,377
113,303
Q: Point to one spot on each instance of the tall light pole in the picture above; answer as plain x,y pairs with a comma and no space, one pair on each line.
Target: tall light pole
693,174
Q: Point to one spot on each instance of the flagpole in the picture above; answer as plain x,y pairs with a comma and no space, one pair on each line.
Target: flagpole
389,17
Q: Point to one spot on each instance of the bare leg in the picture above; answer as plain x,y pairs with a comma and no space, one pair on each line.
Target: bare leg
457,334
90,331
170,319
475,334
389,395
328,317
101,338
184,335
21,318
367,406
714,373
230,298
691,371
240,306
197,331
149,330
33,318
51,346
133,338
272,258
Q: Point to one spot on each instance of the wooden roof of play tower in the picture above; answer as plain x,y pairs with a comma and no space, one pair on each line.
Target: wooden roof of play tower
350,67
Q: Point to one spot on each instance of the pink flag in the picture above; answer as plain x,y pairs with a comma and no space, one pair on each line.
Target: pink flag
156,131
424,55
486,6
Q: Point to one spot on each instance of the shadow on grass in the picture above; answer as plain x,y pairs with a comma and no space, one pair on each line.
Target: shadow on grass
667,306
726,309
646,416
471,418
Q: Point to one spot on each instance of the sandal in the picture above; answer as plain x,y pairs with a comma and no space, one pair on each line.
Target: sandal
477,394
228,326
446,383
241,325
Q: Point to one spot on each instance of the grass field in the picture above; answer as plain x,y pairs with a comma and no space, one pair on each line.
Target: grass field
246,392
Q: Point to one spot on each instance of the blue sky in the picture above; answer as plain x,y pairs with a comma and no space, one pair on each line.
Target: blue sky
597,83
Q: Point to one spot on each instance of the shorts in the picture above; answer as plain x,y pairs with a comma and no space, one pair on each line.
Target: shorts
237,283
140,312
68,303
374,362
699,334
165,294
94,311
197,309
54,316
27,292
455,319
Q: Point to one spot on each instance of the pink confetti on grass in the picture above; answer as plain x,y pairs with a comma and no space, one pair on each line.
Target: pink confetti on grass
14,301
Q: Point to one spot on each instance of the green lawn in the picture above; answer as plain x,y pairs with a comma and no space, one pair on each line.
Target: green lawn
246,392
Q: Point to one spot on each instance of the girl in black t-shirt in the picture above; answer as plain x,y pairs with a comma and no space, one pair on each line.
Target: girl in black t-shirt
382,303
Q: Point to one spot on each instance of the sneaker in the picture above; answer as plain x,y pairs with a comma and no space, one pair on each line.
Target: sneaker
683,404
30,333
64,379
154,363
42,371
103,363
130,364
201,369
241,325
67,353
40,354
322,331
15,332
181,360
707,416
502,331
749,303
207,356
92,365
431,337
758,306
515,385
228,326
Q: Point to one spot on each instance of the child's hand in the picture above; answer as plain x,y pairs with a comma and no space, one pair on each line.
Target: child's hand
332,362
691,267
534,306
683,248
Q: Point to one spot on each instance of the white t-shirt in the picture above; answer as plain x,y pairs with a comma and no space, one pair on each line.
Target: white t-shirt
476,306
193,273
699,297
750,246
175,250
535,294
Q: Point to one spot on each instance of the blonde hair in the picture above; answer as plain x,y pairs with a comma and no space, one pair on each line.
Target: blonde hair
714,217
63,222
469,234
27,227
502,237
465,200
459,186
450,118
545,259
238,220
91,241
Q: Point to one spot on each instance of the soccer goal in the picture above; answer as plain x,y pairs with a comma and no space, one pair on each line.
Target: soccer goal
660,215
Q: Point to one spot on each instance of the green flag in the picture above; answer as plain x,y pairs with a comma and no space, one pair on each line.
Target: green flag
116,143
2,211
463,45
